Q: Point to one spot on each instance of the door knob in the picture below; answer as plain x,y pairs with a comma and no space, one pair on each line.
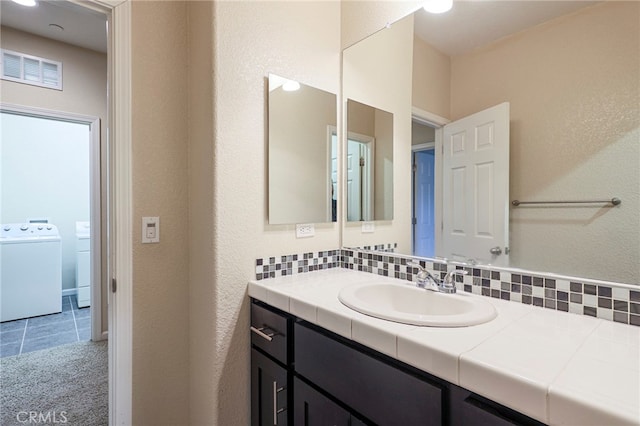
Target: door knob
496,250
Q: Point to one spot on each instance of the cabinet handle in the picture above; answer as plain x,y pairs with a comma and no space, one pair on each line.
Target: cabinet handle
260,332
276,390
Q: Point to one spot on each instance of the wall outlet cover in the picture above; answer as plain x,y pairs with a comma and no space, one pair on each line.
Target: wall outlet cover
305,230
368,227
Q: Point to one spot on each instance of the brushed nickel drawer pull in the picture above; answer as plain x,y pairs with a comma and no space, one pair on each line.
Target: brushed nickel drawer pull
260,332
276,391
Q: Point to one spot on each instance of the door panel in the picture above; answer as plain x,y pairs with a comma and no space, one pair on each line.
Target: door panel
268,391
476,186
424,203
311,408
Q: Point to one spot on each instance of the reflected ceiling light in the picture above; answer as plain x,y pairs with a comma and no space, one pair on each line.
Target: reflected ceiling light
437,6
29,3
290,86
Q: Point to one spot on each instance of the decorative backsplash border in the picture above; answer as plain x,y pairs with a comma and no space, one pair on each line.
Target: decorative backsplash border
277,266
578,296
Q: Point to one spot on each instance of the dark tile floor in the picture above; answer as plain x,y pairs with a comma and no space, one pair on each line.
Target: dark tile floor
73,324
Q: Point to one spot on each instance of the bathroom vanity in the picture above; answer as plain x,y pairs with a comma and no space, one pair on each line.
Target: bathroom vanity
339,382
315,361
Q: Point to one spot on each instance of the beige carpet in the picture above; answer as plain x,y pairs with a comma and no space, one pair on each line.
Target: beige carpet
64,385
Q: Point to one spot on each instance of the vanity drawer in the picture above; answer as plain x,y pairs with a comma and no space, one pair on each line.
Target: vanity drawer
269,329
383,393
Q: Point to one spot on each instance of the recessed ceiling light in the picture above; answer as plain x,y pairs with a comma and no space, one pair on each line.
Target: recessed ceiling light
28,3
437,6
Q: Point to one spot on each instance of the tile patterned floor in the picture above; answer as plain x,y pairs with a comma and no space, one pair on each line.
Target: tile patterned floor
71,325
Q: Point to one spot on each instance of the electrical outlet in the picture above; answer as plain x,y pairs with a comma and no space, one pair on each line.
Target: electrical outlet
368,227
305,230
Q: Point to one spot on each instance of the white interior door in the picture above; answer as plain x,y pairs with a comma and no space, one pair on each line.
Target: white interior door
333,165
424,203
354,194
476,187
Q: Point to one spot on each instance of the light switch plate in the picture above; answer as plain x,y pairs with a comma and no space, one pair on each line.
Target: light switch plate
150,229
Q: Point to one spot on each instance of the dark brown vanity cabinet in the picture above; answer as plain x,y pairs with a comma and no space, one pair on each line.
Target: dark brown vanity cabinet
304,375
381,393
271,377
269,391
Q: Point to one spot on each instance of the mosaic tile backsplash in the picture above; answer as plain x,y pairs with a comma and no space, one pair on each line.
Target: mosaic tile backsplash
584,297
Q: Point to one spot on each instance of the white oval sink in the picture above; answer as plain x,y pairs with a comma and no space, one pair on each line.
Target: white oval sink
409,304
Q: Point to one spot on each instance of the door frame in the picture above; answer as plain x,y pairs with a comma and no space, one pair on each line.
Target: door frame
331,131
96,198
433,120
414,149
367,189
120,206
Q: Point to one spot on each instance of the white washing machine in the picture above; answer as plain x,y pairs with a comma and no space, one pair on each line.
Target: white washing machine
83,264
30,270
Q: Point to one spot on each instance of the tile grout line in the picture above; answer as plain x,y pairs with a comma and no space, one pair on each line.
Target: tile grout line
75,323
24,333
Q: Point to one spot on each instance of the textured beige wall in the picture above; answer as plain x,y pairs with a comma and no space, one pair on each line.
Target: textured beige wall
300,40
384,60
84,74
431,79
574,90
202,304
159,174
362,18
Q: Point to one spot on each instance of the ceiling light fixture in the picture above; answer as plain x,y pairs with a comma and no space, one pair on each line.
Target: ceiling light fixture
438,6
28,3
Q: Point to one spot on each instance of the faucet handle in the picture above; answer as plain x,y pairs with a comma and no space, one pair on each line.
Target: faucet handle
448,278
423,275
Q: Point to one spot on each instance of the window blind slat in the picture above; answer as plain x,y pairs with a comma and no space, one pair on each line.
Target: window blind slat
11,65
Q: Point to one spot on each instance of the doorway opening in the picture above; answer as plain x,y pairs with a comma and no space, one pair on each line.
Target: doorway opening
423,181
51,263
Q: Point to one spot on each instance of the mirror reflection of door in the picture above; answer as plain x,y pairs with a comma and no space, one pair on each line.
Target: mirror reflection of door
423,202
334,173
470,171
475,203
360,150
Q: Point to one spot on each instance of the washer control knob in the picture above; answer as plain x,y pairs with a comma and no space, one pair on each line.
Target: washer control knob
7,228
49,227
24,227
40,227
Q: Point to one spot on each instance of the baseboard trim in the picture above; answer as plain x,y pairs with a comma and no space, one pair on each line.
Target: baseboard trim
69,292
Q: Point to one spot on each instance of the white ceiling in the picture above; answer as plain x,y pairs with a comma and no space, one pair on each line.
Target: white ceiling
82,27
469,25
473,24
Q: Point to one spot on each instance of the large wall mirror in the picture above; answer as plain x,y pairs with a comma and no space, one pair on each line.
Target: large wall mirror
302,153
570,74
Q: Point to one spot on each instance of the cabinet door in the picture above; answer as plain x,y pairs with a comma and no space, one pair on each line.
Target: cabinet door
311,408
469,409
383,393
268,391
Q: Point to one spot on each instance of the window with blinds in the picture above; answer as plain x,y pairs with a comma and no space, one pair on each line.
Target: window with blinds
29,69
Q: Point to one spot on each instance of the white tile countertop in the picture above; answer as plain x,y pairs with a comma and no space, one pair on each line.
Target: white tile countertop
556,367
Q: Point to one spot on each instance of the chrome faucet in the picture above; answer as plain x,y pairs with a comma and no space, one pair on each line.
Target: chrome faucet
424,279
